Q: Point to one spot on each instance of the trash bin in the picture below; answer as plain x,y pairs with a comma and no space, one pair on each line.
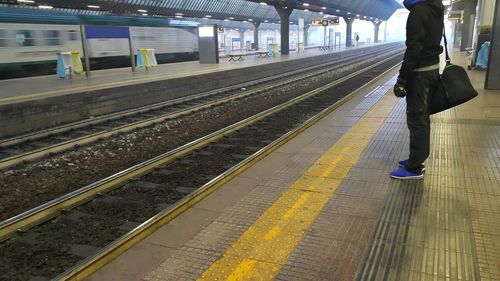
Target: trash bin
146,58
276,49
68,63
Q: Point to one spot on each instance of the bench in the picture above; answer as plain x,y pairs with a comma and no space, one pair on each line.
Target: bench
235,57
264,54
239,56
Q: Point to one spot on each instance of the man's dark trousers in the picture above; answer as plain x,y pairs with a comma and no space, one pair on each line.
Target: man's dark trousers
419,93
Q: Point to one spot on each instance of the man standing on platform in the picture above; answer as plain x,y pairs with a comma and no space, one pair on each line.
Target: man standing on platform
418,78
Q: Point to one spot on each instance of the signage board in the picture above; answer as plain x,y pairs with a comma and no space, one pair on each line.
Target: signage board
326,22
206,31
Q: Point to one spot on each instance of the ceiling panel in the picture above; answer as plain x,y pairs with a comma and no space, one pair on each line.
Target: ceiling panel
238,9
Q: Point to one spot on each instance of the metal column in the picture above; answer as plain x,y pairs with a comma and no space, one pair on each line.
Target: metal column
131,50
324,35
492,82
306,34
242,39
385,31
348,36
376,25
284,13
468,22
256,34
85,51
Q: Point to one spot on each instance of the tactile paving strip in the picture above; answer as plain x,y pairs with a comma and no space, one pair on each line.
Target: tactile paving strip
334,245
229,227
446,227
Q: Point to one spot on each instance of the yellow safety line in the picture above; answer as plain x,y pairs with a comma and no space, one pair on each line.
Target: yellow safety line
262,249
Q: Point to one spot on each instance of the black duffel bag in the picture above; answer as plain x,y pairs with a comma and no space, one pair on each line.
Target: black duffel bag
454,87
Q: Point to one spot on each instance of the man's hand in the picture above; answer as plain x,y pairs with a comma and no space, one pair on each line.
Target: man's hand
400,88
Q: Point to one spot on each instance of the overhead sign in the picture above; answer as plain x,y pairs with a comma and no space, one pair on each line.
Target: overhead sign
326,22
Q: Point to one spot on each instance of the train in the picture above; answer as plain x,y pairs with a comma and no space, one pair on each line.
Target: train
31,38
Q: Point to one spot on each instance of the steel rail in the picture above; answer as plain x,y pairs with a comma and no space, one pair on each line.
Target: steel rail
65,145
52,208
119,246
113,116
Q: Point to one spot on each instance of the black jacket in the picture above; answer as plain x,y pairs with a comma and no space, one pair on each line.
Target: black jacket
424,30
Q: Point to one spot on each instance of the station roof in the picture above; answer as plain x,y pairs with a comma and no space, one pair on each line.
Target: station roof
233,10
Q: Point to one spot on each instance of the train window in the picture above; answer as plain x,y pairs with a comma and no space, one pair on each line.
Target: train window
24,38
3,38
52,37
72,35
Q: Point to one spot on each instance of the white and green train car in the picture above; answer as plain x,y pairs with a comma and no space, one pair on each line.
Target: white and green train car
30,40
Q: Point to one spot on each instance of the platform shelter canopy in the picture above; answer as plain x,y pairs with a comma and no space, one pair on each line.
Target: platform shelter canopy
237,10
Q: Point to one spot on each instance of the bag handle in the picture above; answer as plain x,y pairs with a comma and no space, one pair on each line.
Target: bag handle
448,60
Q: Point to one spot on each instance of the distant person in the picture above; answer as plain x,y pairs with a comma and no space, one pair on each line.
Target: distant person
418,78
357,39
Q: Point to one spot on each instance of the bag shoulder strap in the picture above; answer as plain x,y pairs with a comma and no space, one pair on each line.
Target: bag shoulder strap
448,60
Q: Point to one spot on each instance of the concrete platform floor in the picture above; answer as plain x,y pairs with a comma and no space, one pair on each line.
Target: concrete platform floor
322,207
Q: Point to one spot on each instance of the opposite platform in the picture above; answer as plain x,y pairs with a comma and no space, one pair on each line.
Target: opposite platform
32,104
322,207
15,90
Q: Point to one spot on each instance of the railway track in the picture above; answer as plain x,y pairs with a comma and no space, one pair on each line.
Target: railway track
65,172
124,208
27,186
18,150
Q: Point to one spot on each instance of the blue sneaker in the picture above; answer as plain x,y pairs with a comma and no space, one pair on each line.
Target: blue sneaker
404,163
403,174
